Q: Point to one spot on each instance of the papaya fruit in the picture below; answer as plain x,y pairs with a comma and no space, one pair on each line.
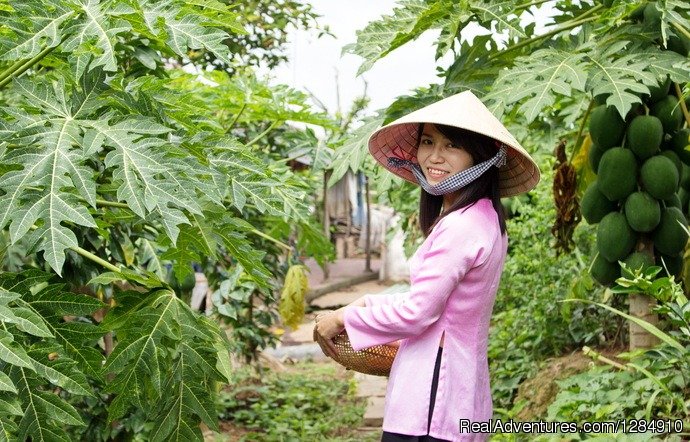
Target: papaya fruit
615,238
685,177
594,156
680,144
642,212
684,197
669,236
606,126
669,112
603,271
595,205
659,177
671,155
617,173
637,261
644,136
674,201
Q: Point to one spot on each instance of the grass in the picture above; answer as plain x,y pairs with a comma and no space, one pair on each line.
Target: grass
308,401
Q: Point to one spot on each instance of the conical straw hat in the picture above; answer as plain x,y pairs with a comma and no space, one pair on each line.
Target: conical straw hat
464,110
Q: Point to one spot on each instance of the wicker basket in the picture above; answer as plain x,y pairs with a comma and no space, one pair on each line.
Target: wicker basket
376,360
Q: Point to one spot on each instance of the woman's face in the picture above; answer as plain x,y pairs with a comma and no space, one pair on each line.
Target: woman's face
439,157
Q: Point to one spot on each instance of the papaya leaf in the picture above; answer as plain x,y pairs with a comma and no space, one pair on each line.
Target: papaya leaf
12,353
378,37
6,384
97,26
32,27
623,79
352,153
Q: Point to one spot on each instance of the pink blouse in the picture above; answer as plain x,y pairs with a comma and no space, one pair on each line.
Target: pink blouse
454,276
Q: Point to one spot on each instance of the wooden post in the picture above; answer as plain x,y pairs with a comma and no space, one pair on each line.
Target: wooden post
367,244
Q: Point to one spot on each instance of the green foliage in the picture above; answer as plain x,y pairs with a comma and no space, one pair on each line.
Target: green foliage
653,384
529,324
310,404
40,352
109,157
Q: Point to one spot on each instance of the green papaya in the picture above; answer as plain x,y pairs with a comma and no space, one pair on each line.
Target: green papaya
594,156
637,261
674,201
671,155
615,238
603,271
642,212
684,197
644,136
685,177
659,177
606,126
617,173
672,264
680,144
670,237
656,93
595,205
669,112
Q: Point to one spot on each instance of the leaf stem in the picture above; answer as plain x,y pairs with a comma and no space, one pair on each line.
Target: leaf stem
96,259
9,73
598,357
530,4
580,131
237,116
681,29
106,203
270,238
263,134
683,107
564,27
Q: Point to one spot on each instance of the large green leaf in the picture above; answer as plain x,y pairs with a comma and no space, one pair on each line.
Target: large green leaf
538,80
97,28
33,26
352,153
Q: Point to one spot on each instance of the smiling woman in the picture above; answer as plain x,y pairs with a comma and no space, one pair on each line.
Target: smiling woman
464,159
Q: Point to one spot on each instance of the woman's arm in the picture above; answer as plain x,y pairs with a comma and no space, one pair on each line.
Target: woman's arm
457,247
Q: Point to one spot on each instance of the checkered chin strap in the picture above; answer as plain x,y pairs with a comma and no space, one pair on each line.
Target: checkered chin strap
453,182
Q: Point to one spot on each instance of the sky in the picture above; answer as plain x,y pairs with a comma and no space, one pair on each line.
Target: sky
316,62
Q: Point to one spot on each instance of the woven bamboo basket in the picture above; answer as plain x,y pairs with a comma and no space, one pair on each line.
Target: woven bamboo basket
376,360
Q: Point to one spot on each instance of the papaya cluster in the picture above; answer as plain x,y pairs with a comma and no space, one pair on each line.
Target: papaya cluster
642,187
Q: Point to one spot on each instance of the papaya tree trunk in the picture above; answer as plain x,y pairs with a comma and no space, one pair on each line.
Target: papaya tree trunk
640,306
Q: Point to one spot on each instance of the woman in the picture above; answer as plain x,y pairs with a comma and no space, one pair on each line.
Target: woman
465,160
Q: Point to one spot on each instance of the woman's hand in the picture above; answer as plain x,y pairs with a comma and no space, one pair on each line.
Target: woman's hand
329,325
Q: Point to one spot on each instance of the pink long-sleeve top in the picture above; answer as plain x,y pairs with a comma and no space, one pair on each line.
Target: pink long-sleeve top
454,277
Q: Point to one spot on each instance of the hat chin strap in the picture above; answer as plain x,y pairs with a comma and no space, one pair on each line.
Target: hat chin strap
453,182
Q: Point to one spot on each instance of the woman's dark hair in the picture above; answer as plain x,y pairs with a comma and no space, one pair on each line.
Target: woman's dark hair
481,148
